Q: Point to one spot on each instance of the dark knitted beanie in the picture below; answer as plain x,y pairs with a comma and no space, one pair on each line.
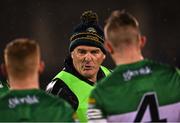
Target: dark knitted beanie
88,32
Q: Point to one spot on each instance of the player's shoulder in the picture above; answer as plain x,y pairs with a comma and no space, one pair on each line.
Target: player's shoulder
161,66
49,97
53,101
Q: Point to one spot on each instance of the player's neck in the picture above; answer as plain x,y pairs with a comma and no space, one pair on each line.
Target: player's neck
30,82
127,57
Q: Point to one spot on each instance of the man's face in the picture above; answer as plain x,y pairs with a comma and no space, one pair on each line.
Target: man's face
87,60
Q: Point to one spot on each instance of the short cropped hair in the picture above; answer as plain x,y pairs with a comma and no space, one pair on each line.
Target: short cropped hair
21,57
121,20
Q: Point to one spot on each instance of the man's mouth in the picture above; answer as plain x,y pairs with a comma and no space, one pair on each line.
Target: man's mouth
88,67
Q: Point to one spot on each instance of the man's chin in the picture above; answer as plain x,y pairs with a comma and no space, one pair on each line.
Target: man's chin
88,73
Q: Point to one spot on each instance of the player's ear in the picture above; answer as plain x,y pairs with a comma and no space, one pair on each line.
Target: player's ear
142,41
41,67
109,47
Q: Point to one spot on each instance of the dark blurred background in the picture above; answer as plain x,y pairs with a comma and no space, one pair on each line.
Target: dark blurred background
50,22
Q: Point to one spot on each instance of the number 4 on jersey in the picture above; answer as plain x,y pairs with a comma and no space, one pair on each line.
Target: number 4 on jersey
149,99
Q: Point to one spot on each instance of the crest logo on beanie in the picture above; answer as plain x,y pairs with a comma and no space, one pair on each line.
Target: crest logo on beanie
91,29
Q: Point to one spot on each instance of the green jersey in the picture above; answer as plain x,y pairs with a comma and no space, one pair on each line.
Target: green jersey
33,105
145,91
3,87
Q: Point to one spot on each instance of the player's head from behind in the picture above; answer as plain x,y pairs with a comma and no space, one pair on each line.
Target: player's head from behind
122,35
22,59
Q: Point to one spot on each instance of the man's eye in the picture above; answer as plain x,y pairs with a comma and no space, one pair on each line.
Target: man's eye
95,52
82,52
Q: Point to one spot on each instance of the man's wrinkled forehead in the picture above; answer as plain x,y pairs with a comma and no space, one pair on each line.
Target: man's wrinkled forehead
87,48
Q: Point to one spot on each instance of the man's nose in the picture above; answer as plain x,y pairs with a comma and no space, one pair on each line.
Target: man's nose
88,57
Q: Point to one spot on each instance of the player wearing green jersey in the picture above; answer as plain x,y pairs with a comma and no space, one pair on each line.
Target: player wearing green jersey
25,102
138,90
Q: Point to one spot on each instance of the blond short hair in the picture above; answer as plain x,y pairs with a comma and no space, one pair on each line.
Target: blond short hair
122,28
21,57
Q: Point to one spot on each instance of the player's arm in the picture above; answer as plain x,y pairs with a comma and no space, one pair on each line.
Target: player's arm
68,113
95,112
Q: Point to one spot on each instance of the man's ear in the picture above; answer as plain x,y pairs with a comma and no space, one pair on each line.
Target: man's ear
41,67
3,70
109,47
72,54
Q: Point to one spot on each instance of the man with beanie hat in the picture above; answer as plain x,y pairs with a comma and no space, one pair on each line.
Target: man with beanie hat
82,67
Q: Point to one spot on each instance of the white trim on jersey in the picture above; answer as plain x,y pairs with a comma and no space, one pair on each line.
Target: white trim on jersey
170,112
